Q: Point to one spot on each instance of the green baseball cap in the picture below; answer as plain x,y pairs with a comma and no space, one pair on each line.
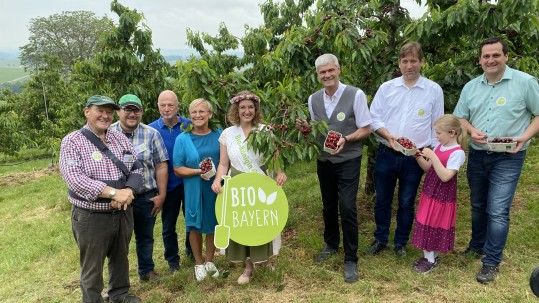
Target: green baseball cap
130,99
101,100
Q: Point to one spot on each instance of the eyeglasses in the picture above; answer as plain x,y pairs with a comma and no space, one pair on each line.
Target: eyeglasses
129,111
200,112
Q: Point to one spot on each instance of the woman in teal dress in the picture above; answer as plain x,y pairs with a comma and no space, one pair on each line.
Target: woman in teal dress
190,149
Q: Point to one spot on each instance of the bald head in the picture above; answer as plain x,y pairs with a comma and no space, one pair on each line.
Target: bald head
167,95
168,106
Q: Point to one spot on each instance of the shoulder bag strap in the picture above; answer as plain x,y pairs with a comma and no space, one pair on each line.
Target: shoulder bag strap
102,147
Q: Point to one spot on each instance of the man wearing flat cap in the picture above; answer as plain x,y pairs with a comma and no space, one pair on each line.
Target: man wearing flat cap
152,154
99,167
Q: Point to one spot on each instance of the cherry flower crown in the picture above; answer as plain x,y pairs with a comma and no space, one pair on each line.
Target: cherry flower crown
241,97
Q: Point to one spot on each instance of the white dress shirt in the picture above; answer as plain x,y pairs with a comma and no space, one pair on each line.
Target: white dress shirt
408,112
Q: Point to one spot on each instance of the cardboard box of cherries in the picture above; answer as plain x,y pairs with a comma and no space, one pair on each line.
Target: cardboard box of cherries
332,138
501,144
207,167
406,146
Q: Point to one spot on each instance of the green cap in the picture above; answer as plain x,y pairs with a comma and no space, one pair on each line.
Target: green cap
101,100
130,99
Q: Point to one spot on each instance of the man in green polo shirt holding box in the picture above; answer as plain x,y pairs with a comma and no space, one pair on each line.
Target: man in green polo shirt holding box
499,103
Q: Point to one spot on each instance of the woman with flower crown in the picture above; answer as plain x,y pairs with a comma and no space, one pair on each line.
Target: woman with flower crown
236,158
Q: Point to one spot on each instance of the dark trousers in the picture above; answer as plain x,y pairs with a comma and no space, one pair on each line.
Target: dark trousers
339,185
102,235
144,224
169,215
392,166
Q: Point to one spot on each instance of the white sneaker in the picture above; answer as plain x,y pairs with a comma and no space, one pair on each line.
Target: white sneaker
211,269
200,272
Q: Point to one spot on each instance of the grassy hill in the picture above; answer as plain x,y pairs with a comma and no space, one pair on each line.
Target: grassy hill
11,73
39,258
10,70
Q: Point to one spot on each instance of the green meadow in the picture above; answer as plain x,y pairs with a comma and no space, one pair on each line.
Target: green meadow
39,257
11,70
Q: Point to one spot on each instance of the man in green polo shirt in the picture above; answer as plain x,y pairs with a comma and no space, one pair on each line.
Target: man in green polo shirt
499,103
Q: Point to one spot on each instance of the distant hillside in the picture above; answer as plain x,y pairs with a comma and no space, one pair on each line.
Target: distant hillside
9,54
171,55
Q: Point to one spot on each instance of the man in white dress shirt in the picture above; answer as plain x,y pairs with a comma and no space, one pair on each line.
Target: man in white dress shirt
406,107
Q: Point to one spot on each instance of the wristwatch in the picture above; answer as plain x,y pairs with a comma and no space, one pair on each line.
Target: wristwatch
112,193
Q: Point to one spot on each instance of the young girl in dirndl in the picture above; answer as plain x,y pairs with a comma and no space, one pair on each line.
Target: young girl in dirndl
434,229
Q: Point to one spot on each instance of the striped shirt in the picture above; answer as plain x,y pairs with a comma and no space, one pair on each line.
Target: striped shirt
83,166
150,150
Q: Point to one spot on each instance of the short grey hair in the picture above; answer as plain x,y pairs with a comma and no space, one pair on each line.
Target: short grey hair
199,101
326,59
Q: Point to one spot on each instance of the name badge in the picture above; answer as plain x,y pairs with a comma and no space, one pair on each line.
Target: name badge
128,158
141,148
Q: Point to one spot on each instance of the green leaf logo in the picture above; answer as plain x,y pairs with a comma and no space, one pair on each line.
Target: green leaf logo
269,200
261,195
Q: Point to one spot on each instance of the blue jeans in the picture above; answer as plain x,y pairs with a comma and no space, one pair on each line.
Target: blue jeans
392,166
144,224
169,215
493,179
339,185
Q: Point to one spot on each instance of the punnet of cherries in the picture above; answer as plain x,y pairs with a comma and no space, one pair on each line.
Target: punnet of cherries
331,139
501,140
406,143
205,165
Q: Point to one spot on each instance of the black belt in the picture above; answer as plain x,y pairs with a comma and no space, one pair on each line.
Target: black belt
151,192
107,211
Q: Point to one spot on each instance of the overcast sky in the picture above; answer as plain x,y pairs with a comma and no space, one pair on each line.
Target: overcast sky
168,19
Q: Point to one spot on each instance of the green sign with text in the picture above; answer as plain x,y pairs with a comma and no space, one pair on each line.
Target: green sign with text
251,210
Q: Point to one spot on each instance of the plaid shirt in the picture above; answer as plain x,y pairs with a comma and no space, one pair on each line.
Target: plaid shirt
150,150
83,165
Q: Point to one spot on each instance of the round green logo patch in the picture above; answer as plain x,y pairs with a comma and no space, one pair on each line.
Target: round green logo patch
341,116
420,112
251,210
97,156
501,101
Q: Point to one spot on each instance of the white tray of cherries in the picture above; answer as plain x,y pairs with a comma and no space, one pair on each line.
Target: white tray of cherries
406,146
501,144
332,138
207,167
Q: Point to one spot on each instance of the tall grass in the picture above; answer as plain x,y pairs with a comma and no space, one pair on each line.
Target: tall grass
39,257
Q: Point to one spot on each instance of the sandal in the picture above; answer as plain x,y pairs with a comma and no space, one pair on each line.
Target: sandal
244,278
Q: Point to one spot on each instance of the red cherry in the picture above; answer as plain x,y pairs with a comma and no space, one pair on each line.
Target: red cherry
205,165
